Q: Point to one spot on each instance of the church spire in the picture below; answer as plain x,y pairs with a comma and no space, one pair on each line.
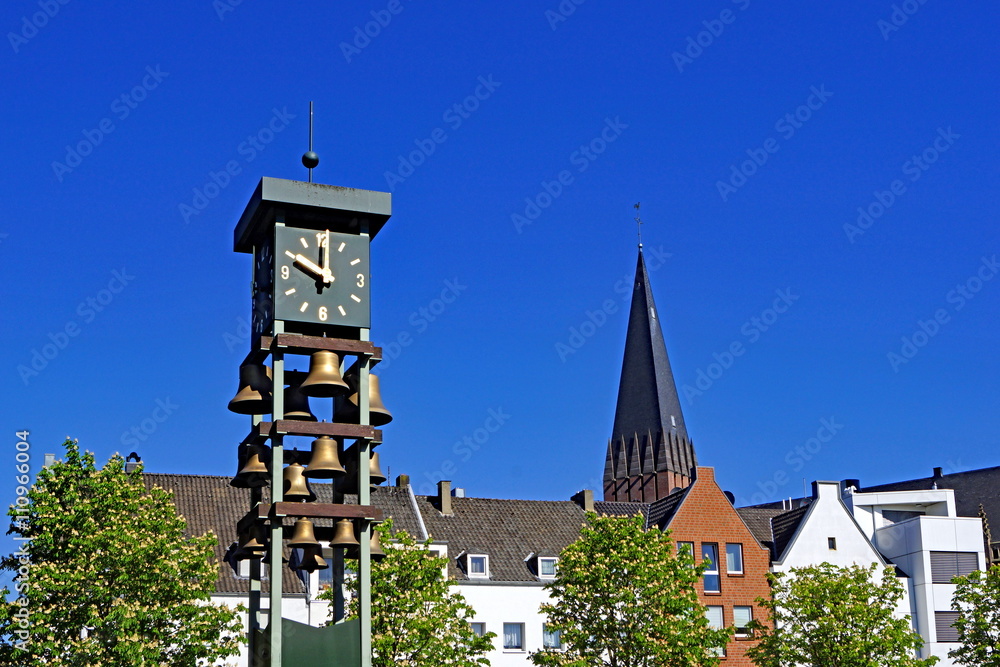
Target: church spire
648,402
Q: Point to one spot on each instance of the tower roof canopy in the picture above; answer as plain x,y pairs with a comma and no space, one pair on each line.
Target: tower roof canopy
648,402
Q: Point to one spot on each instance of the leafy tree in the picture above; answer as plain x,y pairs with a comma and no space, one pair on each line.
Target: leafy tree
824,615
977,601
106,575
416,618
623,597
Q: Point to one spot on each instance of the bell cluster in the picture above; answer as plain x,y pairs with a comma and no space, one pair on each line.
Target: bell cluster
324,380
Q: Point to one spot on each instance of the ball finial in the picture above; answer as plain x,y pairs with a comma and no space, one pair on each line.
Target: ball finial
310,159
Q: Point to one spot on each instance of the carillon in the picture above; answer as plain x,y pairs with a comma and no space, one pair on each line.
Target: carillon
310,300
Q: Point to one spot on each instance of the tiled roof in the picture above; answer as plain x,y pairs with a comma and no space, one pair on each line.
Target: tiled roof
617,508
208,503
783,527
662,511
505,530
758,520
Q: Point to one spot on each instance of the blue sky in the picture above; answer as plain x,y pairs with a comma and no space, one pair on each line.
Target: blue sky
754,134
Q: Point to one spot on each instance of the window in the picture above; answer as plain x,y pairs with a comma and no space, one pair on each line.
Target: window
714,615
734,558
686,548
831,543
547,567
710,557
948,564
741,619
513,636
478,566
944,624
551,638
478,628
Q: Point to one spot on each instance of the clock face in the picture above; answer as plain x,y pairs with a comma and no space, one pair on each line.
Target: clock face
321,277
263,281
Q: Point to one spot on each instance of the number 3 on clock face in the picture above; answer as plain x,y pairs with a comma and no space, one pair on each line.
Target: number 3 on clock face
321,277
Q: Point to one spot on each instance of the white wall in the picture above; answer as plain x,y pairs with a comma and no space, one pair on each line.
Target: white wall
496,604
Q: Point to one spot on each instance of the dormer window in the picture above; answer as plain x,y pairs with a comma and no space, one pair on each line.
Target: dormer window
547,567
475,565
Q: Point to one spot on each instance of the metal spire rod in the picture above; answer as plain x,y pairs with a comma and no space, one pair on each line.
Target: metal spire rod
638,222
310,159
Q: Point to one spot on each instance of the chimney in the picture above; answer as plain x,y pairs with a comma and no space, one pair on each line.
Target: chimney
403,480
132,462
938,473
584,499
48,460
458,492
444,497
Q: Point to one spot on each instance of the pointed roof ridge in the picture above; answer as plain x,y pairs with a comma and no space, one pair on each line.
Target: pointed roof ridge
647,393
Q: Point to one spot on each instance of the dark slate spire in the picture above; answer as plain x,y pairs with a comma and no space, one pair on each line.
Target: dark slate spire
647,395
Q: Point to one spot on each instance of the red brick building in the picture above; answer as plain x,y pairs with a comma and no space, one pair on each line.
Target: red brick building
703,519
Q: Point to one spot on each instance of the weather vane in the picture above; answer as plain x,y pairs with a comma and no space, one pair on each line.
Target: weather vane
309,158
638,222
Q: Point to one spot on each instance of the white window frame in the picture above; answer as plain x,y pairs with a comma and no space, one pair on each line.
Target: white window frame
739,546
503,639
485,574
742,631
709,610
714,571
547,633
546,559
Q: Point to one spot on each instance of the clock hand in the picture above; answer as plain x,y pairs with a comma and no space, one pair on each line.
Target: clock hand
327,273
310,267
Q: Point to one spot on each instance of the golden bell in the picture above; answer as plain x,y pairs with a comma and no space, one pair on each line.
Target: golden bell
253,540
254,471
296,486
375,475
324,379
376,547
312,559
297,405
303,535
344,535
378,414
253,396
325,463
267,559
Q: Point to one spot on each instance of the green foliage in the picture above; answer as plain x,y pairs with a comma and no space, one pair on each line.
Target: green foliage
107,576
623,597
977,601
416,618
828,616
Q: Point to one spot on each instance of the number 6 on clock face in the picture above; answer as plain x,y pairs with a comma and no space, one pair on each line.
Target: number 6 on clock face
322,277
